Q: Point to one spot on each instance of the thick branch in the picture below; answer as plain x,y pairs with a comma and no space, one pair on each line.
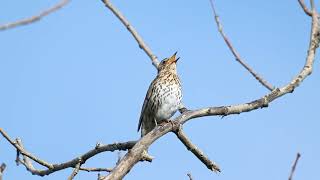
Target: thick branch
294,166
134,155
35,18
133,32
196,151
27,157
235,53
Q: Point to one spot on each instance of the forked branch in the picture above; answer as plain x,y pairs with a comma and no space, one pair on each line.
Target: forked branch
235,53
74,163
305,8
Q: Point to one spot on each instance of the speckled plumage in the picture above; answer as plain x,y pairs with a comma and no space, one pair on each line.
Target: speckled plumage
163,98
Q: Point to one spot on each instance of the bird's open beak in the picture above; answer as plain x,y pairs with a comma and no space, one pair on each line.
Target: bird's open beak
173,58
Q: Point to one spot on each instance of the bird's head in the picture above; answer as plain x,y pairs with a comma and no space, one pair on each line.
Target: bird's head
169,64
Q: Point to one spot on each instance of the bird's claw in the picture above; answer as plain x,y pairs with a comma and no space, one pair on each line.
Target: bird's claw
165,121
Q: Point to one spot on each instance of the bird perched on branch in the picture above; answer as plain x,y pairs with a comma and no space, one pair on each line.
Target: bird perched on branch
163,98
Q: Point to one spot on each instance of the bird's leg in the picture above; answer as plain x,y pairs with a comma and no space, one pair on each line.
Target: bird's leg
164,121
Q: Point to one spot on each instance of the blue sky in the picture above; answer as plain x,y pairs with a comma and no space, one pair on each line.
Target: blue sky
77,77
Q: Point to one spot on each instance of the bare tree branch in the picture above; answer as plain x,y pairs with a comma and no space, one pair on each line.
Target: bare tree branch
75,170
235,54
137,149
294,166
2,168
25,160
35,18
305,8
190,176
135,154
51,168
23,152
96,169
196,151
133,32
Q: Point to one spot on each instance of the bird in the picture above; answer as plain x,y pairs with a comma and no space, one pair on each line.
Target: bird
163,98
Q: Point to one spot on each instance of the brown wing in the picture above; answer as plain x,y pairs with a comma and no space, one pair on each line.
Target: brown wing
146,104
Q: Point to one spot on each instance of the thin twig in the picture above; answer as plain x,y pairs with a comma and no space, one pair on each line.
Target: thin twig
133,32
234,52
35,18
305,8
294,166
51,168
196,151
190,176
24,152
2,168
17,156
96,169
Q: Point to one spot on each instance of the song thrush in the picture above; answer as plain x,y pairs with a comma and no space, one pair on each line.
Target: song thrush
163,98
